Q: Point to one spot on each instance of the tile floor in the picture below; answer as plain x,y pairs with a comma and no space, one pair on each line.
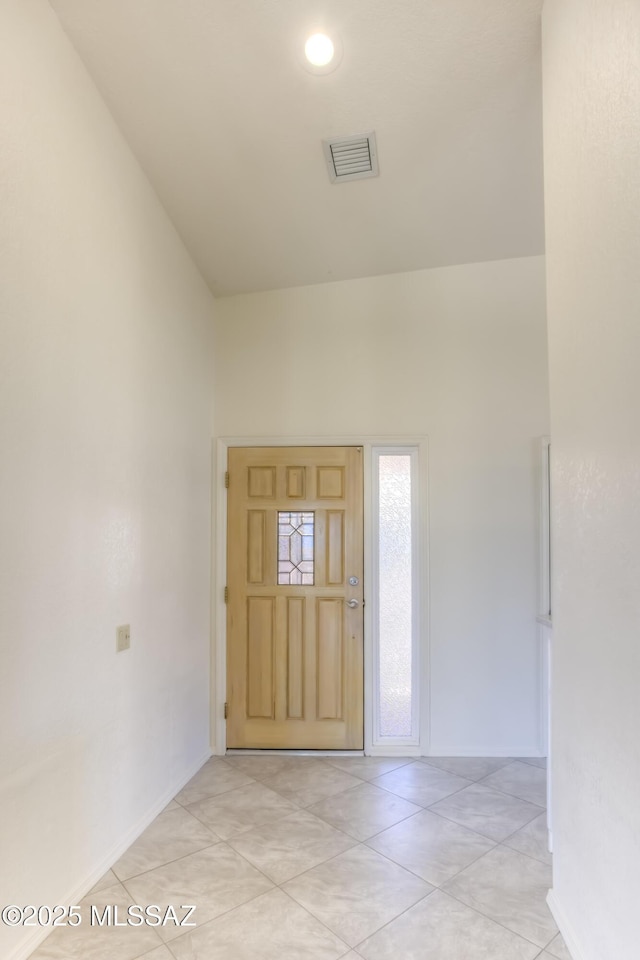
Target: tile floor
298,858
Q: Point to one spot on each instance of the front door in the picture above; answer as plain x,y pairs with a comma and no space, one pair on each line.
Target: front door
295,598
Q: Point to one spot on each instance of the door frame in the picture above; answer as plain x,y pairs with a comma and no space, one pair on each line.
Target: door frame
219,578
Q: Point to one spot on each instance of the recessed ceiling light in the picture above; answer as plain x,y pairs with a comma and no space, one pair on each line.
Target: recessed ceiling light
319,52
319,49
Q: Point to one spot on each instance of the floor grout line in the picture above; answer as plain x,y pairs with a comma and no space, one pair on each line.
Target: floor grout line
439,813
166,863
493,919
306,910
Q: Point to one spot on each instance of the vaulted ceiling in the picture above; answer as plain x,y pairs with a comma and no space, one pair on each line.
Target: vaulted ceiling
228,125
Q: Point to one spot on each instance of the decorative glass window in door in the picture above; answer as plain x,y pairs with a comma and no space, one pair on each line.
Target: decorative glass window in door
295,547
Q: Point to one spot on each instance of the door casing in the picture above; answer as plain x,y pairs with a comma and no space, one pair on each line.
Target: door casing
219,577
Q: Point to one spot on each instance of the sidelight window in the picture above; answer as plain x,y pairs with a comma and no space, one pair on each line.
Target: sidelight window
396,616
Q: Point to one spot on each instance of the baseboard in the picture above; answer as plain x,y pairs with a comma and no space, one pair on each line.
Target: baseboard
565,928
24,950
462,751
397,750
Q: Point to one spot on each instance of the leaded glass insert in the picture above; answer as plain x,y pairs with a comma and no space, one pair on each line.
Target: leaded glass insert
295,547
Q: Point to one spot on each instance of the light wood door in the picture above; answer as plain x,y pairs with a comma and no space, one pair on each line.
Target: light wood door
294,644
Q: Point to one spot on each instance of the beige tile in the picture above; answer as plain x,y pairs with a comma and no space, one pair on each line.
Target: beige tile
534,761
440,928
89,941
520,780
493,814
368,767
215,880
471,768
310,782
173,834
272,927
215,777
287,848
160,953
106,880
558,948
430,846
173,805
357,892
532,839
263,767
511,889
364,811
420,783
239,810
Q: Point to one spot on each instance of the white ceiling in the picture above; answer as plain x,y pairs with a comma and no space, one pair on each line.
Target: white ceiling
228,126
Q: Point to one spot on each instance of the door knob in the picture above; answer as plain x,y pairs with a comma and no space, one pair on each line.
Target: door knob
352,603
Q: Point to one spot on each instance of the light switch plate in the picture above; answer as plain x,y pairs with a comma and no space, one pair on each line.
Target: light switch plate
123,638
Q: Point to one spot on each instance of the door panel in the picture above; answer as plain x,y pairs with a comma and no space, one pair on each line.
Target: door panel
260,650
329,654
294,646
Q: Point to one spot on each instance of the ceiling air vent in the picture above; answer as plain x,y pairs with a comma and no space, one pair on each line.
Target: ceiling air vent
351,158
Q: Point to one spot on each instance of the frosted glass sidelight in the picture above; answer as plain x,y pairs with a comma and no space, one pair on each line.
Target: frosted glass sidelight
295,547
395,595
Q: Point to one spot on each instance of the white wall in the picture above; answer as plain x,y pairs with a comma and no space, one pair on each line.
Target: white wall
458,354
105,447
592,157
